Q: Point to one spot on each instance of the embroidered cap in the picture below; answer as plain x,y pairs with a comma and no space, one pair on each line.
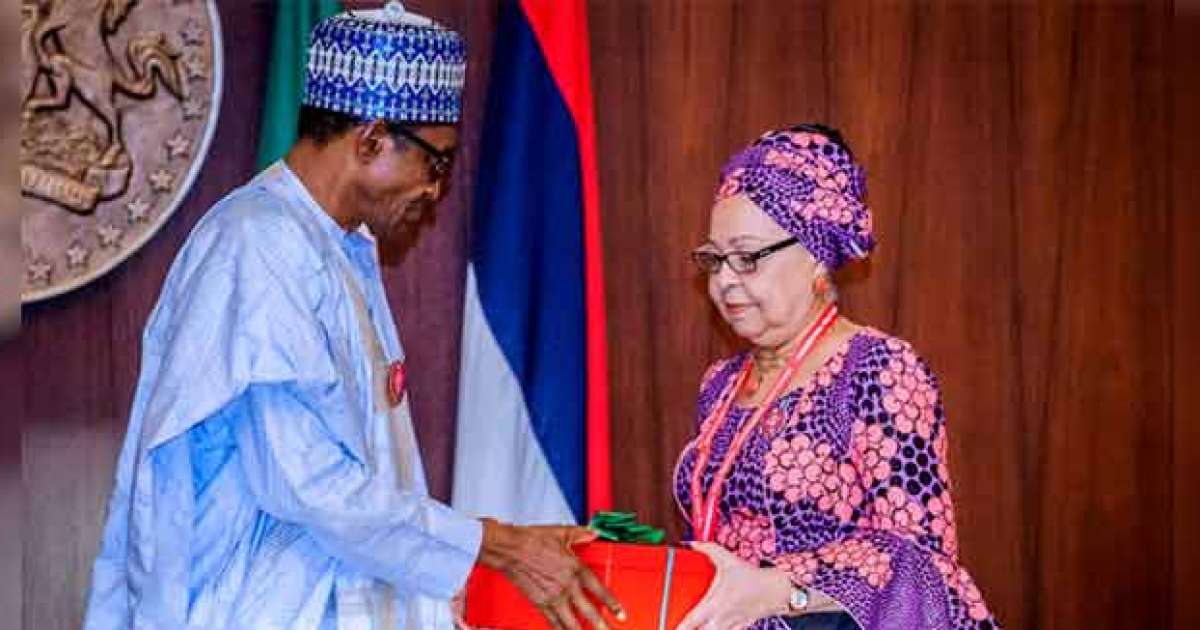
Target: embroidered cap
386,63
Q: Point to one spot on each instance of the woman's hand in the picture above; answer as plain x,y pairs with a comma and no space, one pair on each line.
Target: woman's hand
740,594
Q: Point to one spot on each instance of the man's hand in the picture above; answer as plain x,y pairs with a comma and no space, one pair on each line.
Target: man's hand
539,561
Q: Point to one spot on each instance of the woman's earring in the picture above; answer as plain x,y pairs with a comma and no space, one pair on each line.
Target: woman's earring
821,285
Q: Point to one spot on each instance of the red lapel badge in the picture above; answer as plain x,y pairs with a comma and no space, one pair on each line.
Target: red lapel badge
396,383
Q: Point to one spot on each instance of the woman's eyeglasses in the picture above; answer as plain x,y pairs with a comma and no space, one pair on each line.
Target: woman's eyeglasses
740,262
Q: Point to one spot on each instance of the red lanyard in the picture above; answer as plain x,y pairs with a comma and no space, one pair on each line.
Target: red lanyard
703,511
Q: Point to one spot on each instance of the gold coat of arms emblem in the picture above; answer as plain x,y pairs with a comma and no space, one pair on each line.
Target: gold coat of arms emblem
119,106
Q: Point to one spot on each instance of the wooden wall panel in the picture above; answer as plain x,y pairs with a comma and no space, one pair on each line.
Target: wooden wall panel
1185,310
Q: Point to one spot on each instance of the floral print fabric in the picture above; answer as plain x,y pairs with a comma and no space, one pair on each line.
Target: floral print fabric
845,487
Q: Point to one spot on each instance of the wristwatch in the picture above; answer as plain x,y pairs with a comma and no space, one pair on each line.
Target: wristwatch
798,600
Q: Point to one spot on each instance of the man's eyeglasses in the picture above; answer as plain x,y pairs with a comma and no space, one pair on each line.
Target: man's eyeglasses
440,162
741,262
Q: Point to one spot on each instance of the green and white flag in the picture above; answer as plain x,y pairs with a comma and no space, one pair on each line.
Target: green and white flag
285,75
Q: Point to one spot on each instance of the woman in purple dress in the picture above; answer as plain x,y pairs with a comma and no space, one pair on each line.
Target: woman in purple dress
817,480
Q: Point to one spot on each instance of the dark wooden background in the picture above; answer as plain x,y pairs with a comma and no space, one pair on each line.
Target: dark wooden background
1033,176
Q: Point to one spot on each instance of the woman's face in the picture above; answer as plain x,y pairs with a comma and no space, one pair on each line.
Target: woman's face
767,306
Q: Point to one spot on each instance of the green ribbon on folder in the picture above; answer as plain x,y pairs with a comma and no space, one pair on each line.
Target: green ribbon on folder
624,527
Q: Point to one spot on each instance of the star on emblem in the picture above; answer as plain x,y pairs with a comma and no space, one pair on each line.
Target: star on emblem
109,235
38,271
77,256
192,33
195,67
193,108
177,146
161,180
138,209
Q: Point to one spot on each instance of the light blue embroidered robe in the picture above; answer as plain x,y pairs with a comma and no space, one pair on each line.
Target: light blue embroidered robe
260,485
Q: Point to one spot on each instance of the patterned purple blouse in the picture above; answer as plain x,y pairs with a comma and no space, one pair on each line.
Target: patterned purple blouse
844,485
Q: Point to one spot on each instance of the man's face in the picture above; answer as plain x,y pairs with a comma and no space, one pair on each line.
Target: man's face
397,186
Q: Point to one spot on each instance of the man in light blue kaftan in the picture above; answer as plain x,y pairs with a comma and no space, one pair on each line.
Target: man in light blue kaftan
270,477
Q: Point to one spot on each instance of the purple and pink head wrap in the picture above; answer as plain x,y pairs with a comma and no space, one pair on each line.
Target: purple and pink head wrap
811,186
